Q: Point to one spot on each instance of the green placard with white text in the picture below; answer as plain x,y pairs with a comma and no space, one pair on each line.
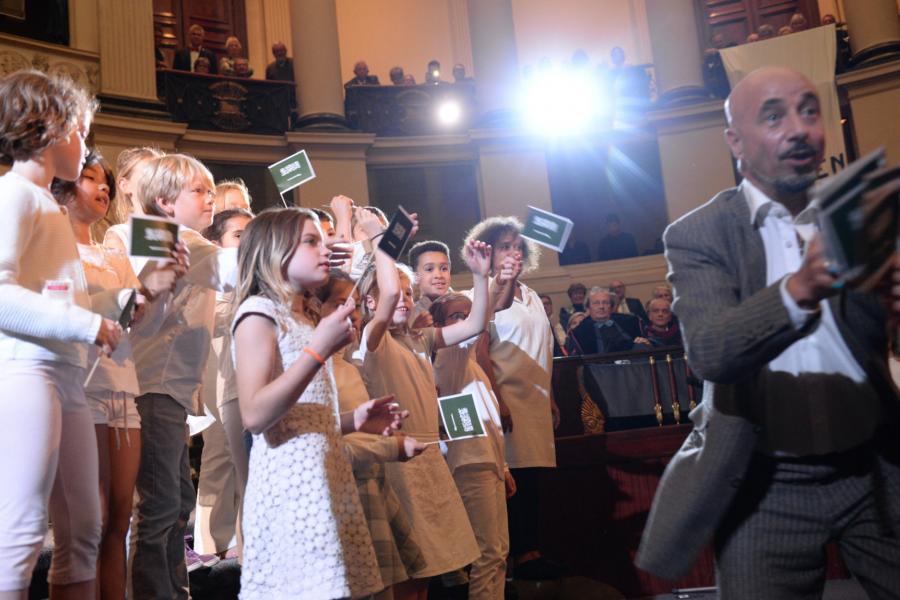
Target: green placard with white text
460,417
547,229
152,237
292,171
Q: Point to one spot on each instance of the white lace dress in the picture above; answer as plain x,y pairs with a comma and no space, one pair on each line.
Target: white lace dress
305,535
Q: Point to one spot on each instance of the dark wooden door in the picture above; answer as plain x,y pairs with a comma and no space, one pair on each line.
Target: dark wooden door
736,19
219,18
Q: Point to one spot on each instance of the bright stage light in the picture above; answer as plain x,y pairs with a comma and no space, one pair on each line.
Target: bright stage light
449,113
562,103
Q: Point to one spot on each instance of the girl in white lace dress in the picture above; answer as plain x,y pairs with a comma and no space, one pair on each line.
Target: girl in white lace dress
397,360
305,536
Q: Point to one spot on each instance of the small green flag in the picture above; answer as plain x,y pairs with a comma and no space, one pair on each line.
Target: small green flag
460,417
152,237
292,171
127,315
547,229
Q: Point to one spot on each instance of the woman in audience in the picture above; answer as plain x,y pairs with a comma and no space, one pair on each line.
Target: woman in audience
521,356
233,51
113,385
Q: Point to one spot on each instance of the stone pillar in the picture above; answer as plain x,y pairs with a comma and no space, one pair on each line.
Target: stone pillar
676,51
317,65
127,71
495,58
874,29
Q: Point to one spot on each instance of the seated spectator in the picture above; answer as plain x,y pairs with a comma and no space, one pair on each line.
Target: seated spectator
409,80
786,30
752,38
559,334
798,23
226,64
574,321
576,293
617,56
766,32
282,68
662,330
627,306
202,66
459,74
242,67
434,73
714,75
664,292
575,252
396,75
829,20
604,331
186,58
361,70
157,41
616,244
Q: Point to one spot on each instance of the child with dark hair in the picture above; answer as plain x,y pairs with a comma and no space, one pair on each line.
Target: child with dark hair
113,386
47,330
326,222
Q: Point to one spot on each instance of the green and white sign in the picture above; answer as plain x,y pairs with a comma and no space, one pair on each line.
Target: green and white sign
127,315
152,237
547,229
292,171
460,416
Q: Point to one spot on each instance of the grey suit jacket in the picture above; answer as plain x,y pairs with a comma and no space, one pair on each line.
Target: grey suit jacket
717,264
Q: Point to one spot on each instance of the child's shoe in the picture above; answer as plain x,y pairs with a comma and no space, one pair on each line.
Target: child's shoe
197,561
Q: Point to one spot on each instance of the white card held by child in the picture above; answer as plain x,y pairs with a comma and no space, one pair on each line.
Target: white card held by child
153,238
547,229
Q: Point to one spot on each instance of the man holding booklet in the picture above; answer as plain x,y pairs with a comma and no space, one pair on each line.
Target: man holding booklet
792,445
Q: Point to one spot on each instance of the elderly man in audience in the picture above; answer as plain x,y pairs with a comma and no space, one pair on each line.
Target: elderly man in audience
361,70
282,68
662,330
227,63
186,58
459,74
242,68
752,38
627,306
576,293
605,331
396,75
798,23
766,32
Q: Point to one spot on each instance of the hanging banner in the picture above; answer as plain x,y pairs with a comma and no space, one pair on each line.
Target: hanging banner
813,53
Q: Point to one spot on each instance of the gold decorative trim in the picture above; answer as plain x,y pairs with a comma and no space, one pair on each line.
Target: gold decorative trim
591,416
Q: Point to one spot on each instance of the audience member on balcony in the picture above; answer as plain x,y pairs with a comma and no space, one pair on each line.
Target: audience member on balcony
574,321
559,334
202,65
186,58
161,62
662,330
575,253
459,74
616,244
627,306
786,30
396,75
752,38
361,70
798,23
617,56
580,60
766,32
227,63
409,80
576,293
242,68
605,331
282,68
434,73
713,70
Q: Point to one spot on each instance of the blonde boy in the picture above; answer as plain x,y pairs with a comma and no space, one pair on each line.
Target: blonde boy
170,368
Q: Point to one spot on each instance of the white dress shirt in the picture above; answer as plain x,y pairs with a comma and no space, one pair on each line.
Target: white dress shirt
823,350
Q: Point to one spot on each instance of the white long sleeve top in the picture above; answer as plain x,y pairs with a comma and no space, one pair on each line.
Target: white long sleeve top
173,362
45,309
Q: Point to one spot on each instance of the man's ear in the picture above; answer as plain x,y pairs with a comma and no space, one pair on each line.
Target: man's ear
166,207
734,141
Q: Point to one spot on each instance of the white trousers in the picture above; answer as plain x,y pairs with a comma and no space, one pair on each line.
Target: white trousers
49,451
218,499
234,429
484,496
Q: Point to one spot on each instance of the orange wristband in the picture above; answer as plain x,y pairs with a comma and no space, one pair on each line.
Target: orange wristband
315,356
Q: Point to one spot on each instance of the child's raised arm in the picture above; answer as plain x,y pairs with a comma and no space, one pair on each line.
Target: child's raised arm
388,284
264,398
478,257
